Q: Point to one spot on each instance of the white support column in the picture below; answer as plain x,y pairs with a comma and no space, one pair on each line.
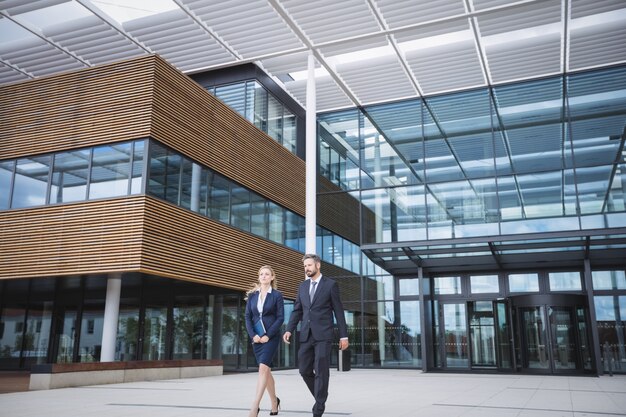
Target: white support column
111,314
311,159
196,171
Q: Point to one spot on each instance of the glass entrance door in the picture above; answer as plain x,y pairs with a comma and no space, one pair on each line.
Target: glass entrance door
454,335
552,337
482,334
563,338
534,338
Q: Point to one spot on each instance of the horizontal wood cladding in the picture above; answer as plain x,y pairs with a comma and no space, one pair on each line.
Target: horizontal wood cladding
195,123
178,243
81,238
104,104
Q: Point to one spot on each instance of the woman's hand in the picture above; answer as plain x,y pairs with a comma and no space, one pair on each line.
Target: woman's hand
265,339
256,339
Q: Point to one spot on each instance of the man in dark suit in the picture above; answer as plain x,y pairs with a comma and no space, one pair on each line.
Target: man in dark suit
317,300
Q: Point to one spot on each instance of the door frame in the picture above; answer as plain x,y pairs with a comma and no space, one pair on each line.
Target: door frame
548,301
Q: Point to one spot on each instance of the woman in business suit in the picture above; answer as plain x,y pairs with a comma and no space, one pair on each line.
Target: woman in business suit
265,303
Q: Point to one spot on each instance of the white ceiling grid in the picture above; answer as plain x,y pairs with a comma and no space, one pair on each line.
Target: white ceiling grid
375,50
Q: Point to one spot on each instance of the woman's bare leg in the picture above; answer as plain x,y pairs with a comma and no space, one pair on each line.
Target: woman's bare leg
271,390
261,385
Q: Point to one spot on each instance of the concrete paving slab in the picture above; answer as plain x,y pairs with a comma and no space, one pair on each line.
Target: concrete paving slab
357,393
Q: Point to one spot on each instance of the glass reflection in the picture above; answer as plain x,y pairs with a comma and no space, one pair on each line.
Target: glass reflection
110,170
523,282
565,281
31,181
69,176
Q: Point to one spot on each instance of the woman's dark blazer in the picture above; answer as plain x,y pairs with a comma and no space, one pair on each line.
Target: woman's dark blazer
273,313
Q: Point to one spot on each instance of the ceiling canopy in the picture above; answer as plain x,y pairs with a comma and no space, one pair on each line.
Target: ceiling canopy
368,51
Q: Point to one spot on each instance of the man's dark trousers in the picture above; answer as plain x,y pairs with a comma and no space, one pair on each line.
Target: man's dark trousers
314,366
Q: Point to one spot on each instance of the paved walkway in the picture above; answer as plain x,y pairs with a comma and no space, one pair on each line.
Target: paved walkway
357,393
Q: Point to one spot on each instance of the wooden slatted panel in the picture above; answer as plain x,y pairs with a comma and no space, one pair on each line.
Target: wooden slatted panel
180,244
192,121
88,237
104,104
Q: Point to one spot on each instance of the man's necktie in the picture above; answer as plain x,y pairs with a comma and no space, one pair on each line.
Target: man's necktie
312,290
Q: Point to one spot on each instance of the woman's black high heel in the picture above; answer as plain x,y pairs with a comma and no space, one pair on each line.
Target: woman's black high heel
275,413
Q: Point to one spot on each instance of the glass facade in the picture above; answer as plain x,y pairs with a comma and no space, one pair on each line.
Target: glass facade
531,157
252,101
118,170
60,320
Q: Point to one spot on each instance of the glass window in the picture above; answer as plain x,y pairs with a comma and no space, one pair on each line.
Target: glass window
69,176
258,212
189,320
137,180
127,331
260,107
219,198
448,285
409,286
110,171
92,323
6,176
240,207
276,222
605,308
289,131
294,230
523,283
392,334
187,191
484,284
275,119
234,96
158,163
155,323
565,281
31,181
608,280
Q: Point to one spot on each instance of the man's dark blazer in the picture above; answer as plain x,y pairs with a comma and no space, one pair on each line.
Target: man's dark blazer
317,318
273,313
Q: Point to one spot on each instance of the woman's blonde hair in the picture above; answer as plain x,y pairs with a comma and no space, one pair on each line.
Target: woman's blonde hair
256,286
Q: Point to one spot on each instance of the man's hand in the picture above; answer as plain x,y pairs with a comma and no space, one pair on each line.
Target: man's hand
343,344
286,337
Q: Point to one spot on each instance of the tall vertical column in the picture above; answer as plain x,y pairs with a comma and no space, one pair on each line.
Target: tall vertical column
111,314
196,171
311,160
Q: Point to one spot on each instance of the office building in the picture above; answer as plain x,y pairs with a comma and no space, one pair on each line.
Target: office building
471,198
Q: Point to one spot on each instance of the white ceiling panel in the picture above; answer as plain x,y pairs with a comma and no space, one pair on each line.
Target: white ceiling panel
364,43
399,13
377,79
286,64
521,17
597,45
329,95
9,75
177,38
38,57
521,59
445,68
582,8
92,39
328,20
253,28
432,32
